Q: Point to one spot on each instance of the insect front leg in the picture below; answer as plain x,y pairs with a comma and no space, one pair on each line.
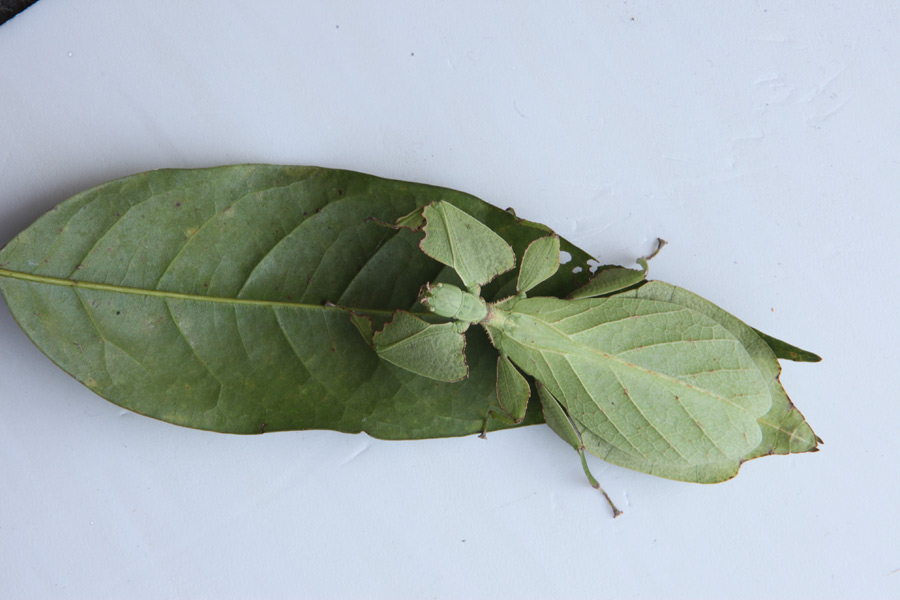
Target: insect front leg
437,351
556,417
611,279
513,392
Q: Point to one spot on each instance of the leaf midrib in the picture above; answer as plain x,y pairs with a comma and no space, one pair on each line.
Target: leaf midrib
170,295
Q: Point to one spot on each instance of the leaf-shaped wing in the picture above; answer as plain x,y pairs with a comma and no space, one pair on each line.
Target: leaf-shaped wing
461,242
784,429
666,388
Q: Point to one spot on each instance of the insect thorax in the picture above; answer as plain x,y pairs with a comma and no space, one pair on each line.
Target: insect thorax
450,301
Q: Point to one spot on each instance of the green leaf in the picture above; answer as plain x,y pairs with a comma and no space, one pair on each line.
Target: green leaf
787,351
426,349
652,385
198,297
461,242
540,262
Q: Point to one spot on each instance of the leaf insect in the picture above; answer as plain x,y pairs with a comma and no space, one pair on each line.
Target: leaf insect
648,383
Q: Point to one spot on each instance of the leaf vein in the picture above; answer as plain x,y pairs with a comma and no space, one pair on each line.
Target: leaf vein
187,341
600,408
646,419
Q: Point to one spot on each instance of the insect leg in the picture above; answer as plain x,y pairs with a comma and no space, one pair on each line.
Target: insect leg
513,392
556,417
611,279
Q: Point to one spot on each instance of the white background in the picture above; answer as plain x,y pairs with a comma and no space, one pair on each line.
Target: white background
761,139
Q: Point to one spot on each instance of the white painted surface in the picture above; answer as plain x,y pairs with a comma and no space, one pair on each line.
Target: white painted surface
761,139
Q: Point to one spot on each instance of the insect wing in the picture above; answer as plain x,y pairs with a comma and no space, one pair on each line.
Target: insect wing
666,389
